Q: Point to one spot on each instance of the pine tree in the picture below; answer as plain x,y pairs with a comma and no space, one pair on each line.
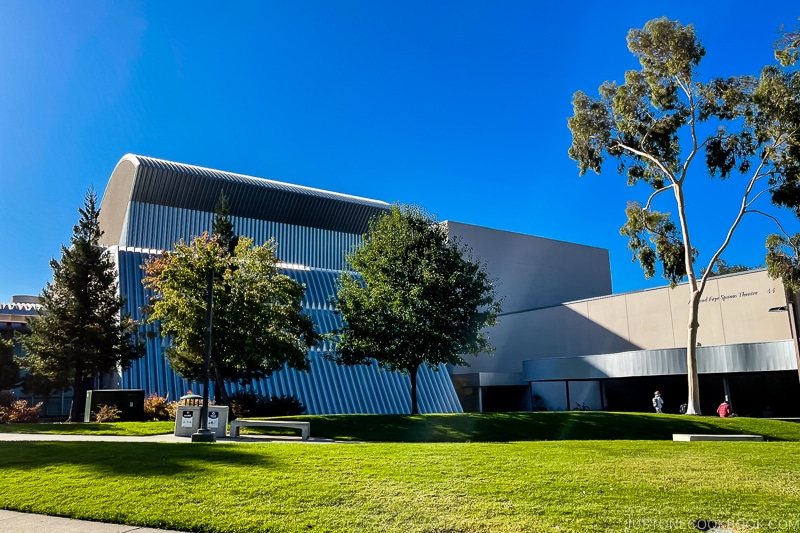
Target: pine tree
222,227
81,332
223,231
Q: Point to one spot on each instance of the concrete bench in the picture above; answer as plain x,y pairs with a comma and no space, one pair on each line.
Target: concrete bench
304,427
692,437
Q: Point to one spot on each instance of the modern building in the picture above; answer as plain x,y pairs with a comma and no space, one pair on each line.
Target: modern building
533,273
149,204
15,318
613,352
562,338
14,315
564,341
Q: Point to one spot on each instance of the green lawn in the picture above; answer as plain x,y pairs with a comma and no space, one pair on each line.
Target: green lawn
579,486
509,427
478,427
92,428
498,473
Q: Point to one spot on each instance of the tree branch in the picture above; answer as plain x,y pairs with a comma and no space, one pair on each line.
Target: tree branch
647,156
774,219
742,211
692,128
656,193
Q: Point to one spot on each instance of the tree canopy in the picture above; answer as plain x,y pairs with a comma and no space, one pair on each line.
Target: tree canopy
662,123
787,47
722,268
80,332
258,323
413,296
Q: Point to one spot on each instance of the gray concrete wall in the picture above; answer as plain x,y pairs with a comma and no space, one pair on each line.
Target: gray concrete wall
533,273
536,272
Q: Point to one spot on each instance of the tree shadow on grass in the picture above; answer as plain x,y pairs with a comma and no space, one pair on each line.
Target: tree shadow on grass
527,426
133,458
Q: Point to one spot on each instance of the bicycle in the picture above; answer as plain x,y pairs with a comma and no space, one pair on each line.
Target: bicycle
581,407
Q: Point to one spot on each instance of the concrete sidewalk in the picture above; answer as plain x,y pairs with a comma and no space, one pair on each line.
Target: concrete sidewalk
14,522
168,437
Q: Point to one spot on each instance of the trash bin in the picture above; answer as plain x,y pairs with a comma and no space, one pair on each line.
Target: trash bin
187,417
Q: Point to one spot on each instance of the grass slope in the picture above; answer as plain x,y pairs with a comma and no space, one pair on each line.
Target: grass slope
477,427
567,486
524,426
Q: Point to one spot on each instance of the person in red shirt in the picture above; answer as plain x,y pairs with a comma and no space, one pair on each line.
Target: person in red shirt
724,410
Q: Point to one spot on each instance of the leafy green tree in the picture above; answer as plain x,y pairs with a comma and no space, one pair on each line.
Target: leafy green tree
783,260
258,323
9,368
662,123
80,332
722,268
414,298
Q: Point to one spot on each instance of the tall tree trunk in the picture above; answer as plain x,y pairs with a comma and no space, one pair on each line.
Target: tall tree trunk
412,373
220,394
693,402
78,396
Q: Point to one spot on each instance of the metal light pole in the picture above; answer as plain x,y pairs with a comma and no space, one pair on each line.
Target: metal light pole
204,434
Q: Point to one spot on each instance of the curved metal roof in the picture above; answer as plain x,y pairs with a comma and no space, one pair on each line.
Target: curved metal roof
156,181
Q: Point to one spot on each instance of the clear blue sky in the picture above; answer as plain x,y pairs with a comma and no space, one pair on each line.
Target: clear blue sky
459,106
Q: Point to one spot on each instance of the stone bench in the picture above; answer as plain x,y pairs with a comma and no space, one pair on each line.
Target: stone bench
692,437
304,427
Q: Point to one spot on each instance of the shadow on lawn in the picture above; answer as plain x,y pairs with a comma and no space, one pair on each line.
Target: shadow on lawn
526,426
132,458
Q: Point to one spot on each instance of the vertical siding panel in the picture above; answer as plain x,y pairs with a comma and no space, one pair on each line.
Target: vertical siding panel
155,222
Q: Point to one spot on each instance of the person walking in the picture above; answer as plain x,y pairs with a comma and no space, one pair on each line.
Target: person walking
658,401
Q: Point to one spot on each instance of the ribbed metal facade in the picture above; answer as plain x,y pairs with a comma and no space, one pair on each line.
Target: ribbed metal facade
165,183
314,230
153,226
729,358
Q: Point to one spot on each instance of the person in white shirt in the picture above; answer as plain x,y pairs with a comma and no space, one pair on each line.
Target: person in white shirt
658,402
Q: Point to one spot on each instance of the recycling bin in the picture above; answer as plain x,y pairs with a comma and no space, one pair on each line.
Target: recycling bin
187,419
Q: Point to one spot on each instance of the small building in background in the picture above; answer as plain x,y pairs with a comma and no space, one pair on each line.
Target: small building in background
15,317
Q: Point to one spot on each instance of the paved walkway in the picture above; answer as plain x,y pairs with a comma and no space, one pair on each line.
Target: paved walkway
157,438
14,522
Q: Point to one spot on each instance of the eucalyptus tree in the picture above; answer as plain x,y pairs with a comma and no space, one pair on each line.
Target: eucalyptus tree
783,249
412,296
665,128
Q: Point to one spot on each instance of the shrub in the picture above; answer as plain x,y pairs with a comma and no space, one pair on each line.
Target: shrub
107,413
172,408
159,407
251,404
21,413
17,411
